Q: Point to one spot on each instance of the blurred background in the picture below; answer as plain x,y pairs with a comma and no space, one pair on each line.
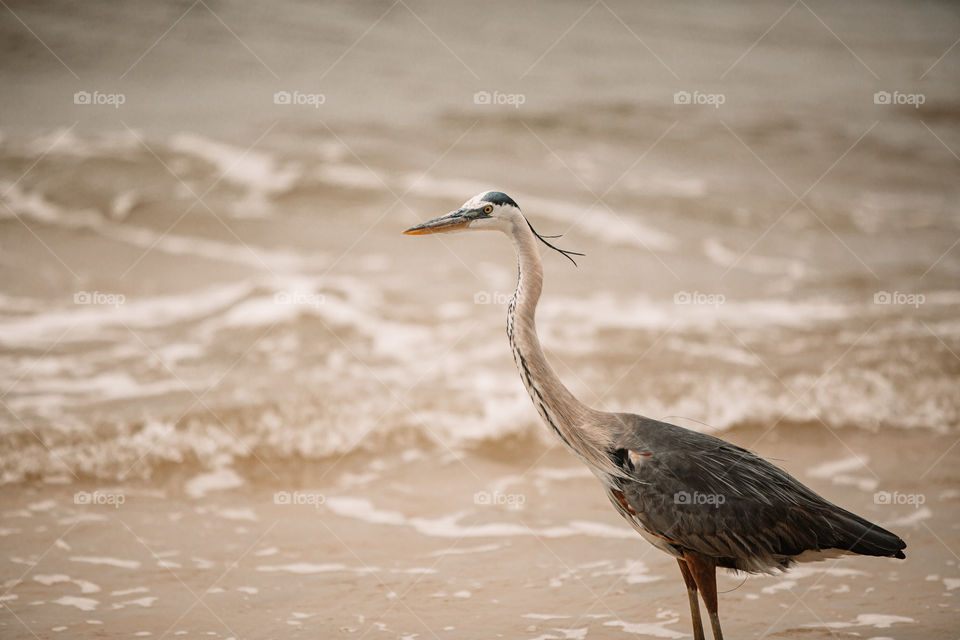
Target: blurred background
203,286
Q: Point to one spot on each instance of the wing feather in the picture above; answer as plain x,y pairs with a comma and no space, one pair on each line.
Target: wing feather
721,500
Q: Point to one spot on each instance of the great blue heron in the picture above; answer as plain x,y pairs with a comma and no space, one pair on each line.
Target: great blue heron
704,501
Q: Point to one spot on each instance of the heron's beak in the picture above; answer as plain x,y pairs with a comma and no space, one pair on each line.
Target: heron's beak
450,222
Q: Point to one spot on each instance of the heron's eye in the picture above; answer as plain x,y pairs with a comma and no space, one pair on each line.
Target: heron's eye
488,209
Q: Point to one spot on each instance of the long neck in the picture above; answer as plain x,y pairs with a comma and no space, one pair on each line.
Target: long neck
569,418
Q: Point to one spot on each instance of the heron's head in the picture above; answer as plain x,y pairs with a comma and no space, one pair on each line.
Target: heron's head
488,210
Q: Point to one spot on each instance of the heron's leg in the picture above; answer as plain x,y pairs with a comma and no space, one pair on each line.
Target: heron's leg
704,572
694,603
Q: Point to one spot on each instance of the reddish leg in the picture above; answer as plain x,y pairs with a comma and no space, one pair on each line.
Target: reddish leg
704,571
692,595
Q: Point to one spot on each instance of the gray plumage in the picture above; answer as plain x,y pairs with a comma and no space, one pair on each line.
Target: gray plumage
705,501
760,517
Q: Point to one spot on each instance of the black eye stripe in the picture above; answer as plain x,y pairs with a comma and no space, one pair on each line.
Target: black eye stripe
498,197
480,212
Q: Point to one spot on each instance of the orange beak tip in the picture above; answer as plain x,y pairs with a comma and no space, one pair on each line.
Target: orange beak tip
436,226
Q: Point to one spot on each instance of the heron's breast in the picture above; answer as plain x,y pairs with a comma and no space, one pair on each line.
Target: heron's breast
636,521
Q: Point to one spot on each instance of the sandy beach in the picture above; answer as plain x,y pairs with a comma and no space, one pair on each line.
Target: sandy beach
487,544
236,402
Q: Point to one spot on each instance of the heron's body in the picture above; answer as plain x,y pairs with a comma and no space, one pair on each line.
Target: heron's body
706,502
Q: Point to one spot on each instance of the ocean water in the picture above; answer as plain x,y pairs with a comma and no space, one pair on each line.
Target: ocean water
203,278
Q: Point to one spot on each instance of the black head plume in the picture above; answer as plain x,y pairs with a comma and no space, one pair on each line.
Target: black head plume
566,254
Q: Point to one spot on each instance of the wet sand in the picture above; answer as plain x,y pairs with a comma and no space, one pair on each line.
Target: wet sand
236,402
513,542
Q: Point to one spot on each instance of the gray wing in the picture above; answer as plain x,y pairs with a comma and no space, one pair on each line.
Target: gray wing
706,495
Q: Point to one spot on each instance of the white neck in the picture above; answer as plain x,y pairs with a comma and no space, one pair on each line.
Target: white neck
569,418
